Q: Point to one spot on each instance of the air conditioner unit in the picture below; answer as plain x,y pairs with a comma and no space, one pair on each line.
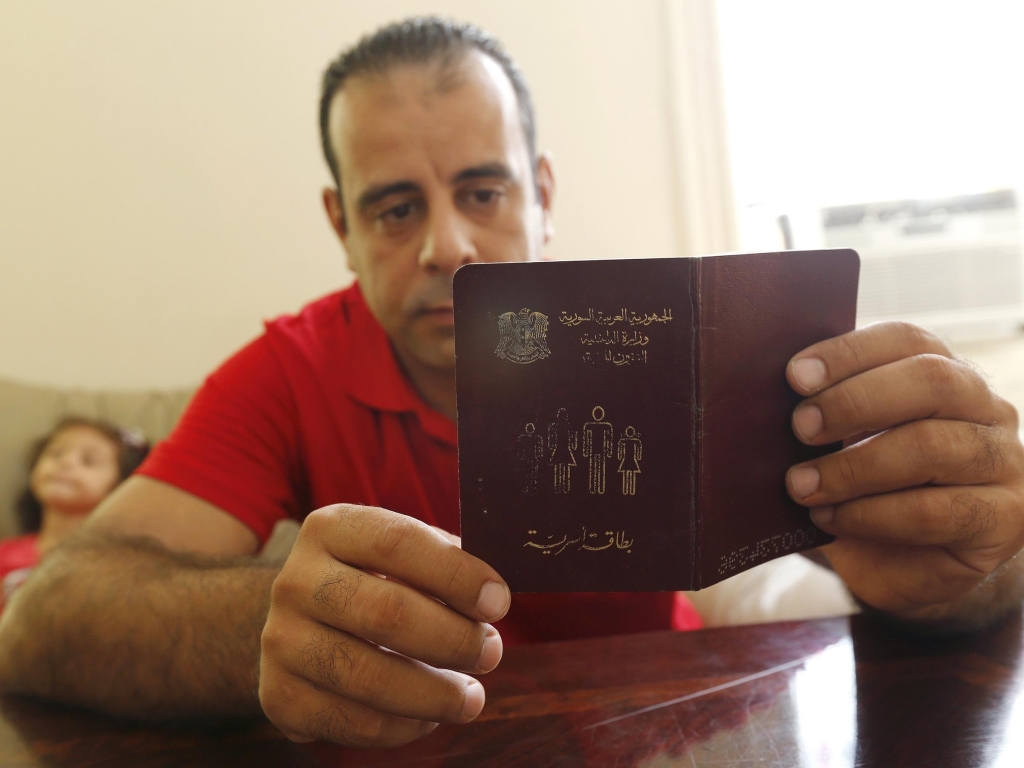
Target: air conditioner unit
954,264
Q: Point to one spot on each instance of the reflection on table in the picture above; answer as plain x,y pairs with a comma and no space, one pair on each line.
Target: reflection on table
834,692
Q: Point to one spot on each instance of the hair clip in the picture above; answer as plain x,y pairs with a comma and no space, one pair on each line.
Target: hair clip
133,438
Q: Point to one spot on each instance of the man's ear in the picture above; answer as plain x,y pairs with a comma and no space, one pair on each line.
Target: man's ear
335,212
546,193
336,215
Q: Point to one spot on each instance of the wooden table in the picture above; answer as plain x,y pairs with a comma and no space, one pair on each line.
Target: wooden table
835,692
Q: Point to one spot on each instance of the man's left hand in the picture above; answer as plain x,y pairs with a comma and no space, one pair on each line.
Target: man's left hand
928,508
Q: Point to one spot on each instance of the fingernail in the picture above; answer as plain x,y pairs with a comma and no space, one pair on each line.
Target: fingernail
809,373
493,600
474,701
805,481
491,653
808,422
822,515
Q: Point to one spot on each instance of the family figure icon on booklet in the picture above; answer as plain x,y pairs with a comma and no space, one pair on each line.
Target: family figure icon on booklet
559,453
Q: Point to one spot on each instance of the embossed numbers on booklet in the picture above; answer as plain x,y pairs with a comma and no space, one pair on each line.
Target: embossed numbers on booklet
624,424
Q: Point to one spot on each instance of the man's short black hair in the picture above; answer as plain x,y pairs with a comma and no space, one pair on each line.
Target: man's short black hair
419,40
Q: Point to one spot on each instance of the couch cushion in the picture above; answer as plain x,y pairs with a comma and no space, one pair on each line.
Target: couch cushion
28,412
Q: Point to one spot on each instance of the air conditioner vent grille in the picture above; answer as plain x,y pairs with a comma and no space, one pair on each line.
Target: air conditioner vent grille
938,281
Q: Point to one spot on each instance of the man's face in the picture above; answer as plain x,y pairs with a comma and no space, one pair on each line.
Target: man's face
435,173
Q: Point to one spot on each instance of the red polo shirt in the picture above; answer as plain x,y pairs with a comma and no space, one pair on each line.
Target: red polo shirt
317,411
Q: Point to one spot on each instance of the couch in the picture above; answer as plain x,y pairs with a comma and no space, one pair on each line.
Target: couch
28,412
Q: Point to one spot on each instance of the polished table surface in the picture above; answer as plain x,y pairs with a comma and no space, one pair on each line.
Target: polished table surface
835,692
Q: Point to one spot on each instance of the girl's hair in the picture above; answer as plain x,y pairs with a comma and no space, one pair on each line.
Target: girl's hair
131,450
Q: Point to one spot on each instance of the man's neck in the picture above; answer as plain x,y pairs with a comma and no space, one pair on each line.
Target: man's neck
437,388
435,385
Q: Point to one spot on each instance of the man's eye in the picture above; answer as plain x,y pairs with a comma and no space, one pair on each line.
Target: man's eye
485,196
483,199
397,212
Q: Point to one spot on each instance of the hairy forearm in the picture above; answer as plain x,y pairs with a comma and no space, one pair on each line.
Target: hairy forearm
124,626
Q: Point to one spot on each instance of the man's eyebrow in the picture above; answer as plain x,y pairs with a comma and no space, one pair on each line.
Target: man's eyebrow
485,171
378,192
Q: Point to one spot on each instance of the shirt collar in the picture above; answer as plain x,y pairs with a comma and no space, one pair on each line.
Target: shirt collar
374,376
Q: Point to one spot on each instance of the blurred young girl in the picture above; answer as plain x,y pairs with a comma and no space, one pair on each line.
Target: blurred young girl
72,470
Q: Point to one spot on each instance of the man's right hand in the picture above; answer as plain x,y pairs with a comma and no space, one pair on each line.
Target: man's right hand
353,658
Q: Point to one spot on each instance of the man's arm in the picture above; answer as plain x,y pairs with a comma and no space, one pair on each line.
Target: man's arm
153,610
128,626
928,509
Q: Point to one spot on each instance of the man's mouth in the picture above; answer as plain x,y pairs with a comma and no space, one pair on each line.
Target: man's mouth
442,314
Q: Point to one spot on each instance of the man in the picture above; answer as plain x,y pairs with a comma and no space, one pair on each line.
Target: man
159,609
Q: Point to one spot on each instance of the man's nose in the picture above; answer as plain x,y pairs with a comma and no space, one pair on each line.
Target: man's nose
449,243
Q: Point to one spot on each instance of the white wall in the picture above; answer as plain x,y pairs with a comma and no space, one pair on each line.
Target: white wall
160,168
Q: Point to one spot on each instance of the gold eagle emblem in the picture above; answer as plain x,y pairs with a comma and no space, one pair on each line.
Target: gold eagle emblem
522,337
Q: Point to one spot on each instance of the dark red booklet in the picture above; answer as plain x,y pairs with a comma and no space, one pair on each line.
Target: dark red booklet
625,424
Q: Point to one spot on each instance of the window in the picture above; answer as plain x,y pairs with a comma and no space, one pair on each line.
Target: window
896,128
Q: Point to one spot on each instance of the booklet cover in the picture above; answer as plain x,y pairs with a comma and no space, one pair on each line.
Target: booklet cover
625,424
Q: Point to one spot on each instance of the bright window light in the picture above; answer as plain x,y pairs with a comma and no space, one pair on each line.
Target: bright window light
839,102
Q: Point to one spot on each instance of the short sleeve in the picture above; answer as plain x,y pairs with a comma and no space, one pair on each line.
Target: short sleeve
237,444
